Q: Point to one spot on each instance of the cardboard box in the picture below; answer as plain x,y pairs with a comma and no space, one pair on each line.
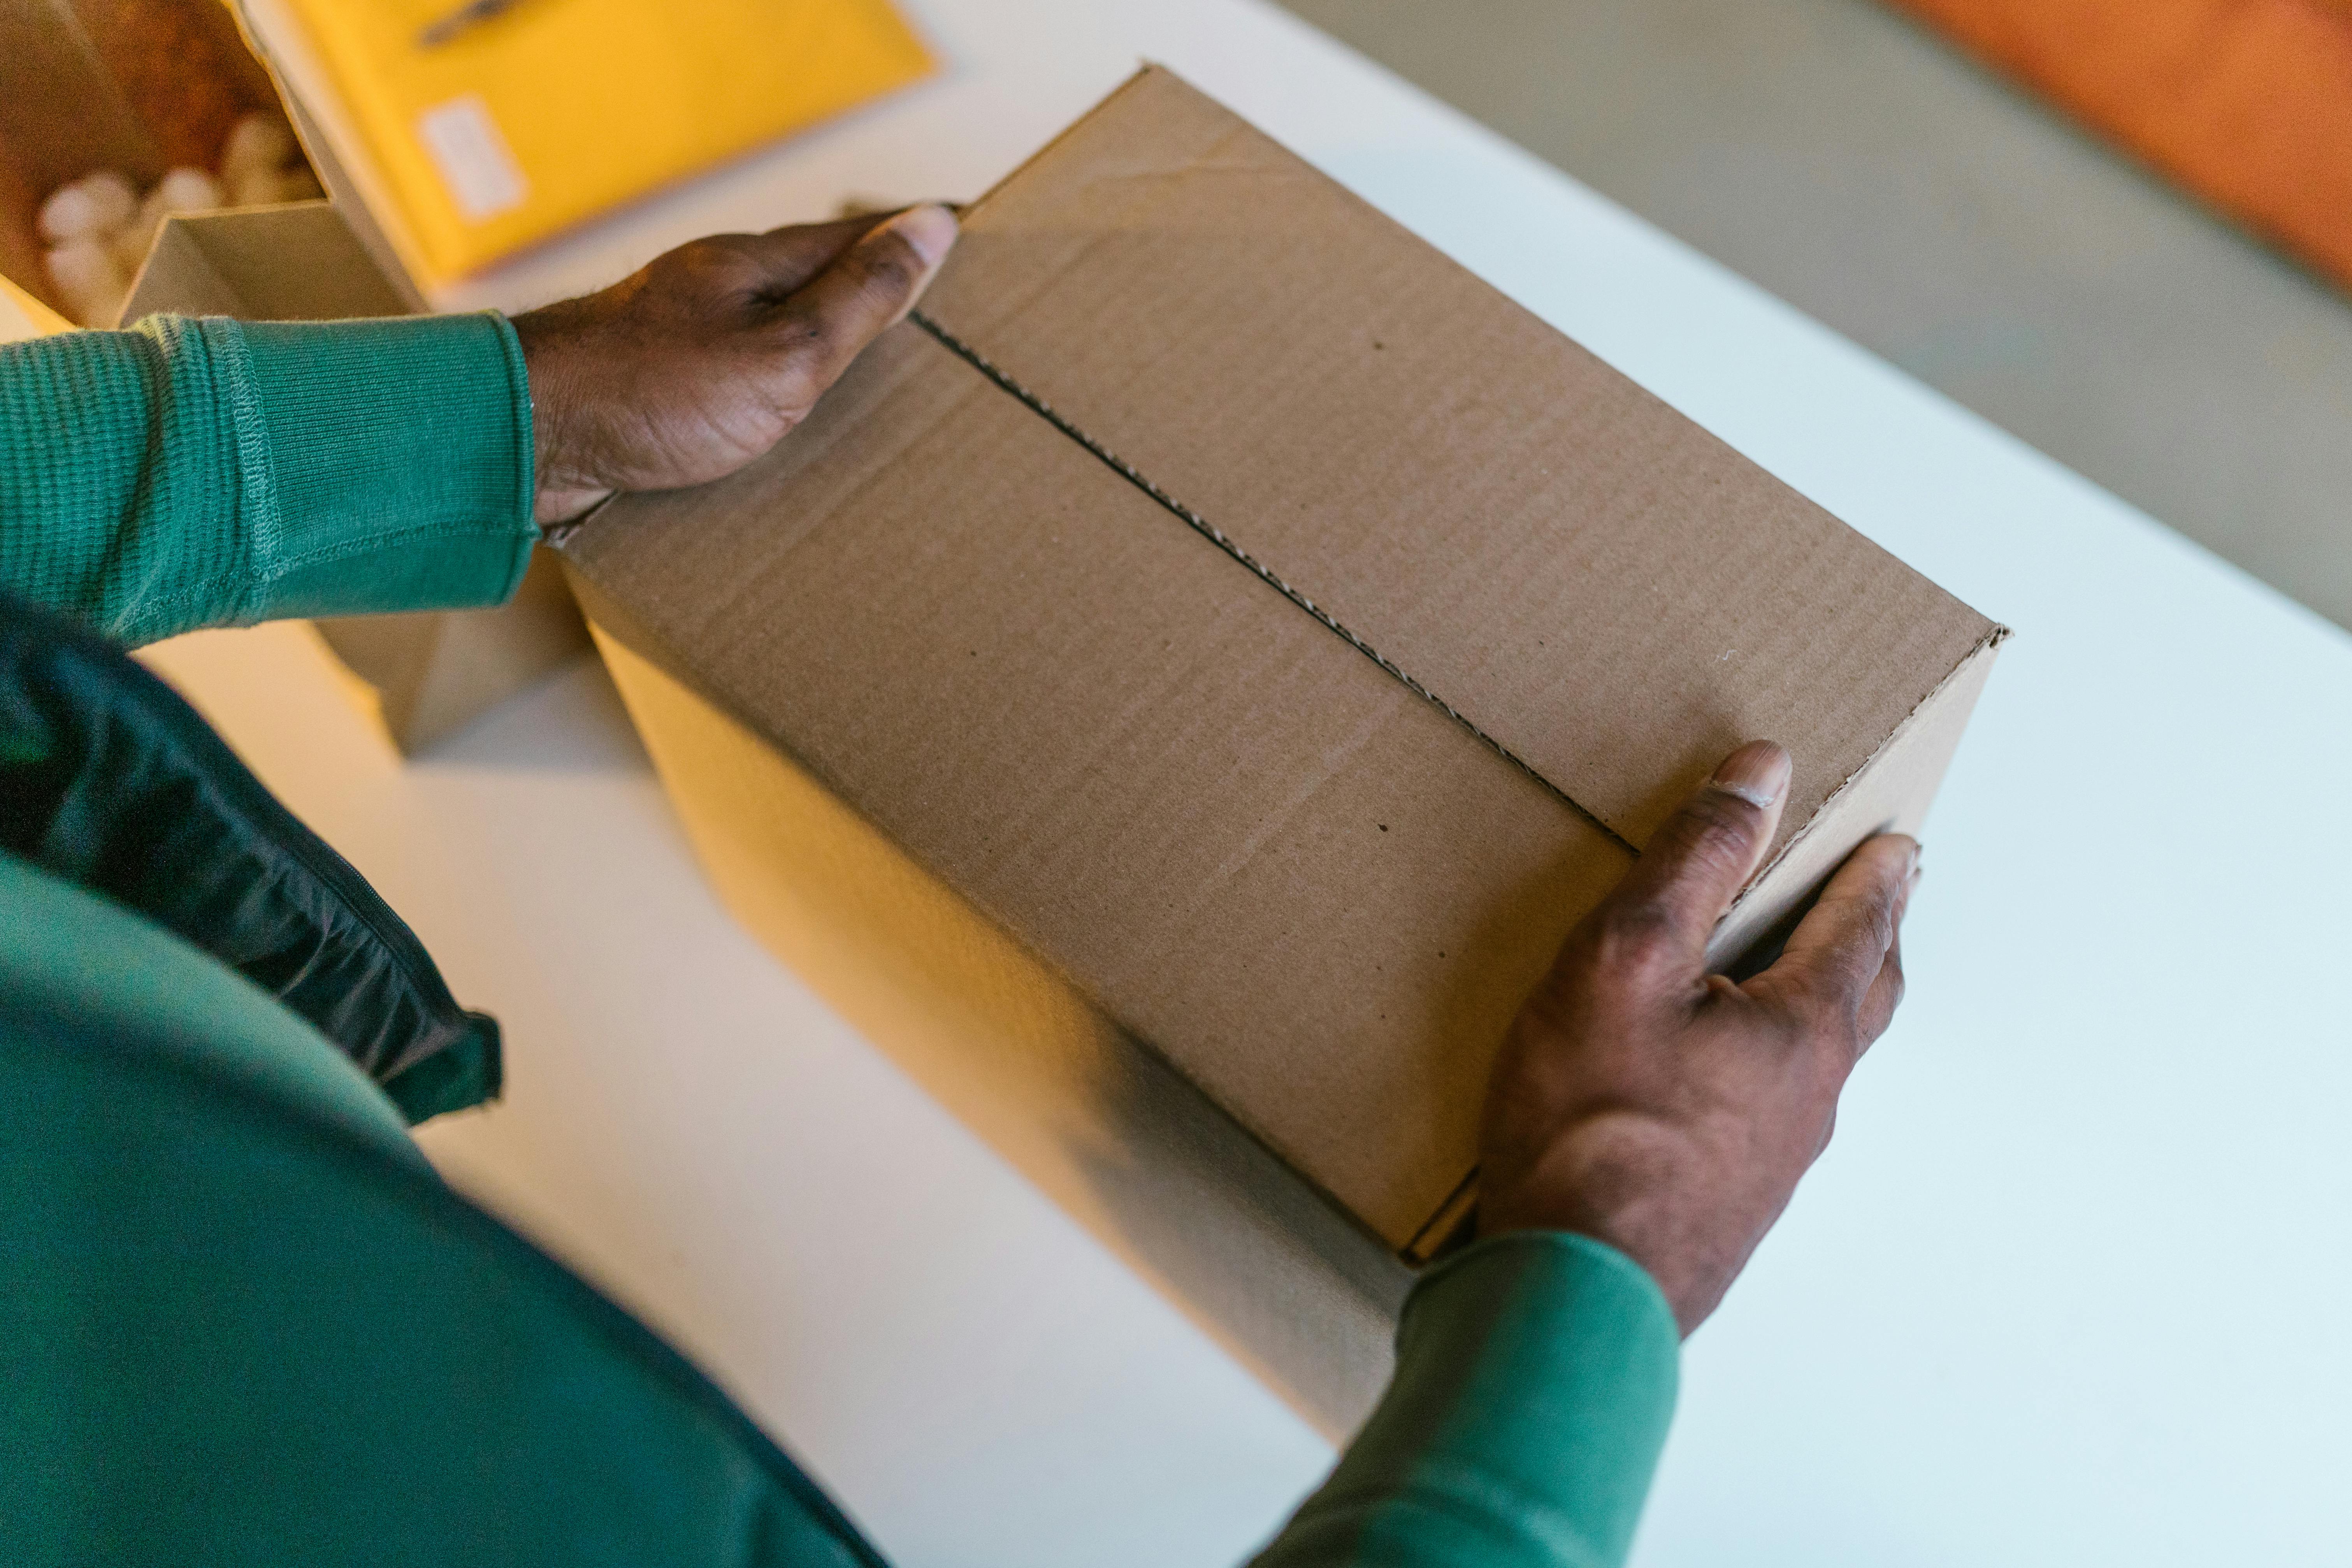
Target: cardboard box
1277,639
137,86
431,672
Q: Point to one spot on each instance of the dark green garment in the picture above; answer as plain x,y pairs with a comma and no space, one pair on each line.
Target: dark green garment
240,1319
242,1323
110,783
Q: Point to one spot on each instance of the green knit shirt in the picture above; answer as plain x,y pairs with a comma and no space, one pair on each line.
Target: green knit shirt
207,472
229,1375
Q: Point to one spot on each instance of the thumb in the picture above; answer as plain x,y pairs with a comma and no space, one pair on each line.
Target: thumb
1696,863
868,289
785,260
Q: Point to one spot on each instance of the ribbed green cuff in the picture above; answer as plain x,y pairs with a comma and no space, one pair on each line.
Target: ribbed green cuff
385,464
1536,1379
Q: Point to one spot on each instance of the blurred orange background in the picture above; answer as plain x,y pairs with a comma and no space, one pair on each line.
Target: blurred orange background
2248,103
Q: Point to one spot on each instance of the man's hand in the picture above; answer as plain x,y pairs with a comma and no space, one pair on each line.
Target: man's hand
1667,1111
689,369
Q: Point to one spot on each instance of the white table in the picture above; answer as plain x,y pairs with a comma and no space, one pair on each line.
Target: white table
2071,1288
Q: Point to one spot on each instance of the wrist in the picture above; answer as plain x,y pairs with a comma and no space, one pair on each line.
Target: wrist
1629,1185
565,487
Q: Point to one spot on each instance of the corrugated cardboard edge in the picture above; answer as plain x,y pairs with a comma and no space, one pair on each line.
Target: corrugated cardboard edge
1742,930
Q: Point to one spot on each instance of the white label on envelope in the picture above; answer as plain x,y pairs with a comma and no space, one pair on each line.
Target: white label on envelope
472,157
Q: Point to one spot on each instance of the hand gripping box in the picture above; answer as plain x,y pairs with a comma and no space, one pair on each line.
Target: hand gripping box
1210,655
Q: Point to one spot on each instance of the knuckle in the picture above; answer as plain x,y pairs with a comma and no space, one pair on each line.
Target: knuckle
1823,991
718,260
1718,830
1883,920
890,270
1630,935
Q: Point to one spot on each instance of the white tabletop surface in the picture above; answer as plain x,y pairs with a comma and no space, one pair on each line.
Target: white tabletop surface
2070,1288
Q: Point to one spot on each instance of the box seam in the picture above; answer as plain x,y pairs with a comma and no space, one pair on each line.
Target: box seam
1251,563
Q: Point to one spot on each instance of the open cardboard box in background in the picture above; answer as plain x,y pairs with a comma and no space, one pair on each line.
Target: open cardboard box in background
137,86
434,671
73,98
1209,656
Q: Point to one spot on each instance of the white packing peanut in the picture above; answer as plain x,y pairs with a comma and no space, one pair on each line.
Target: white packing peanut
188,191
90,280
95,204
258,143
255,187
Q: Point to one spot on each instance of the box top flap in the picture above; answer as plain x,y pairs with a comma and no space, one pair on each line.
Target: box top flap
295,262
1599,585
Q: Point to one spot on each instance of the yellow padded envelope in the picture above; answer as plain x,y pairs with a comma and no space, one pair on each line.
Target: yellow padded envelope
549,112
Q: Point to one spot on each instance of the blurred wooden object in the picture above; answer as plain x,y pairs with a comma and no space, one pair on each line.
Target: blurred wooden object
22,316
2248,103
62,112
20,247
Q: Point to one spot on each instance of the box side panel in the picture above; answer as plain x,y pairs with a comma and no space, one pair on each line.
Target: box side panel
394,654
1102,1126
1314,894
484,657
179,279
1891,794
299,262
1594,581
293,263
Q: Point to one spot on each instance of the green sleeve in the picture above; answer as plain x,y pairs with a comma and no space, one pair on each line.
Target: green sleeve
1535,1380
201,471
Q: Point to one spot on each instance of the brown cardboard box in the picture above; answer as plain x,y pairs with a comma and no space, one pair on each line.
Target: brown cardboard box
1279,638
431,672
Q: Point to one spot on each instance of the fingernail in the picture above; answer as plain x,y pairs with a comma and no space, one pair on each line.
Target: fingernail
929,230
1758,774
